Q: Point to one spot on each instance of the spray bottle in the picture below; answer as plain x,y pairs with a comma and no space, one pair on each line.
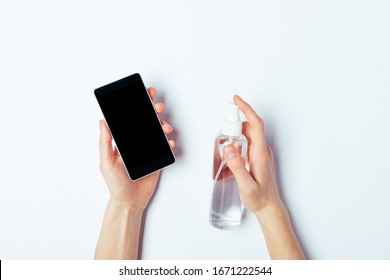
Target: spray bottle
226,206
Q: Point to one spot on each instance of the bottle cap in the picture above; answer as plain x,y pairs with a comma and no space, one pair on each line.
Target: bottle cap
232,125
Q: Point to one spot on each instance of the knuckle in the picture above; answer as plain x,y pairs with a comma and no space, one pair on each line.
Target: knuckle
240,167
260,122
250,191
235,164
270,152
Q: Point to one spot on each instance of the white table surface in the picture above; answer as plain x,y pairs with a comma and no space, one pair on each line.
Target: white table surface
316,71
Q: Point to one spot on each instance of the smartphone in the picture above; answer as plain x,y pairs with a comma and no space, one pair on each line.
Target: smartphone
135,126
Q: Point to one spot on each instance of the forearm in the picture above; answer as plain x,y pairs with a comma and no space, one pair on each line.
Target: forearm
278,233
120,232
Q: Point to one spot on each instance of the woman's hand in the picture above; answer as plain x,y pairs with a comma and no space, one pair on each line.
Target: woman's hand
119,235
134,194
258,188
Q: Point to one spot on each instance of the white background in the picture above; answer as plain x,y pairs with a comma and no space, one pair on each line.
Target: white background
318,72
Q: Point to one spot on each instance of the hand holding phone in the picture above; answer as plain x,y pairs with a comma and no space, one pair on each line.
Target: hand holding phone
134,194
135,126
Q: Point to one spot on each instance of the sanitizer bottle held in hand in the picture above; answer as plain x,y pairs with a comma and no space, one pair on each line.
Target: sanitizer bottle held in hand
226,206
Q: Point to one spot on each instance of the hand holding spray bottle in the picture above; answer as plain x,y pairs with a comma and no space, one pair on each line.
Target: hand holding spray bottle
226,206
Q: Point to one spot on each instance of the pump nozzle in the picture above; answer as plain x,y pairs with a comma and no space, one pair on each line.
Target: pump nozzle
233,114
232,125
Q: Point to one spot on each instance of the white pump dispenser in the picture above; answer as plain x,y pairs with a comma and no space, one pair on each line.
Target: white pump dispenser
232,125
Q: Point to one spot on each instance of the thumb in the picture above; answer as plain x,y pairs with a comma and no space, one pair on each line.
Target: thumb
237,166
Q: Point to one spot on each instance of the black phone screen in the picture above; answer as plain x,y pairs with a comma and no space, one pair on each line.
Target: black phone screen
135,126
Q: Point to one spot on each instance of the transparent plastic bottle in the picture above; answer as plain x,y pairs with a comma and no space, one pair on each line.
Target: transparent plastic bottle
226,206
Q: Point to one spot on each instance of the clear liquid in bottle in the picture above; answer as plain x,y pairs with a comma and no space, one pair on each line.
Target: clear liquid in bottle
226,206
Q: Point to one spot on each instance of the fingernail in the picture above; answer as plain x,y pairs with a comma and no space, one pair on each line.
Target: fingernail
231,155
230,152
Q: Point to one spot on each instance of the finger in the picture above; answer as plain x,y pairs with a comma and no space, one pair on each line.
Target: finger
254,120
246,130
172,143
159,107
105,144
166,127
249,113
237,166
255,138
152,92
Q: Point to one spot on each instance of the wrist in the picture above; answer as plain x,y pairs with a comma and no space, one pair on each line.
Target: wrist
271,212
125,206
